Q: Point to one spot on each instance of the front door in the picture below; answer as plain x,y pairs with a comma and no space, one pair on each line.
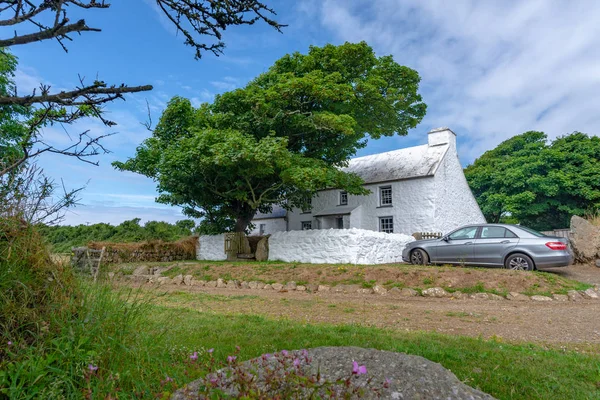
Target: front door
458,248
493,243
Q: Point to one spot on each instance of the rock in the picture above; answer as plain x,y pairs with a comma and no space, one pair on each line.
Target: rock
262,250
156,270
408,292
268,287
560,297
435,292
139,279
141,270
379,290
244,285
232,284
178,280
460,295
515,296
585,239
300,288
221,283
590,294
493,296
574,295
253,285
187,280
598,263
480,296
311,287
365,291
198,283
277,286
111,276
211,284
291,285
540,298
164,280
410,377
323,288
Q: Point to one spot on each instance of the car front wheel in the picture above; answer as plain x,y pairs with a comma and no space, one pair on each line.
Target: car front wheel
419,257
519,262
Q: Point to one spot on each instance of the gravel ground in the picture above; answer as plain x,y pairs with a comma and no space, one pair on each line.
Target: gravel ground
571,324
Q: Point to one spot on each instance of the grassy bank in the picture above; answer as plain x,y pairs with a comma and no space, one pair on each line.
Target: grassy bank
137,347
466,280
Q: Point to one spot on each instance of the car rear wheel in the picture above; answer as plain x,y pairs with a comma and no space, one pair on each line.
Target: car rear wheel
519,262
419,257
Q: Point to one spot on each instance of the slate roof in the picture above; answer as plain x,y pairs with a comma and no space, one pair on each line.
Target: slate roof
278,212
408,163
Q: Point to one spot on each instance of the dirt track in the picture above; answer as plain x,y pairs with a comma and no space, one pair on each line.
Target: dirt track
574,324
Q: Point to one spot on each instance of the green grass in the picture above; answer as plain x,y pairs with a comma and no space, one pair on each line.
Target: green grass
506,371
136,345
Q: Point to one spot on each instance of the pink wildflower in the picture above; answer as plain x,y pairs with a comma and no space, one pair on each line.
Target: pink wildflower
296,362
284,353
387,383
358,370
231,359
92,368
9,343
194,356
210,351
168,379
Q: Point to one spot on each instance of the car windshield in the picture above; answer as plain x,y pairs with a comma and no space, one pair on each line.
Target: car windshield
533,232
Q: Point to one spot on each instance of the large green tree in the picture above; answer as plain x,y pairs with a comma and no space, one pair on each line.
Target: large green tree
281,138
538,184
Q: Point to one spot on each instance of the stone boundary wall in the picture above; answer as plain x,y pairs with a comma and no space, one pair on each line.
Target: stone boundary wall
333,246
211,247
151,251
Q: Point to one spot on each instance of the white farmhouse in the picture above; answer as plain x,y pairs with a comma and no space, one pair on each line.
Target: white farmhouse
416,189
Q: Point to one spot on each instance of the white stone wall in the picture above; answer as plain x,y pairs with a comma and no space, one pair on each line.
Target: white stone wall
331,246
272,225
455,204
211,247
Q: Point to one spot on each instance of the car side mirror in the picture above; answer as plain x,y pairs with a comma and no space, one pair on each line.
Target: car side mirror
445,238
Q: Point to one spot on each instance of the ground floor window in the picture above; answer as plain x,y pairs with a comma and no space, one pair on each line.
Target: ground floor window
306,225
386,224
340,222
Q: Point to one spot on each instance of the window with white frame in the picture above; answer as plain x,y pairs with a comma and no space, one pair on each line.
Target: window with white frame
386,224
306,225
343,198
385,196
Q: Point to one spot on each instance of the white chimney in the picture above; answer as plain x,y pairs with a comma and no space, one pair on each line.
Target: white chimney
440,136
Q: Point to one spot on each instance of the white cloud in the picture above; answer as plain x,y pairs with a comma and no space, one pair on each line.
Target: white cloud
227,83
490,70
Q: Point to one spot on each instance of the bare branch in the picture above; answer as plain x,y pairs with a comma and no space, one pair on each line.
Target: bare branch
70,98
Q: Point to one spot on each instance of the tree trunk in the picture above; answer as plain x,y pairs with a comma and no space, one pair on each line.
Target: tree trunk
242,221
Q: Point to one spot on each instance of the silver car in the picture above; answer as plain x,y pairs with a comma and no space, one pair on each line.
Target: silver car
496,245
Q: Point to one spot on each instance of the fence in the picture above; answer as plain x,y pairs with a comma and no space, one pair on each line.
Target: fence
427,235
564,233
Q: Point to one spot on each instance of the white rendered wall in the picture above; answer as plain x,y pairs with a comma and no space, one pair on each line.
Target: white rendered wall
272,225
413,207
211,247
346,246
455,204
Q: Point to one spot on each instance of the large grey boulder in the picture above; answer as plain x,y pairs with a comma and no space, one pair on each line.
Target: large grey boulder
585,239
408,377
262,249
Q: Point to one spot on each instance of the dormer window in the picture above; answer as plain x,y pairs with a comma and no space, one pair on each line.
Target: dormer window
343,198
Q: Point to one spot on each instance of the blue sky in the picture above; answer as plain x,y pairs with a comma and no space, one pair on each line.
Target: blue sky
490,70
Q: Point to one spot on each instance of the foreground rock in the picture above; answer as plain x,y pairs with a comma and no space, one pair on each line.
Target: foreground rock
409,377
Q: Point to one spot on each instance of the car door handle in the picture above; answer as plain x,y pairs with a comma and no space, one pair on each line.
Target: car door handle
505,241
469,243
